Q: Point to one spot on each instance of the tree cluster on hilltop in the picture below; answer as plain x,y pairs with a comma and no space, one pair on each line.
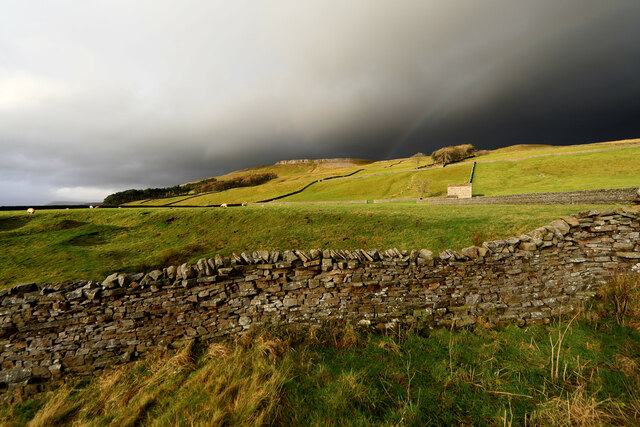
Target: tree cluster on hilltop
453,154
133,195
240,181
204,186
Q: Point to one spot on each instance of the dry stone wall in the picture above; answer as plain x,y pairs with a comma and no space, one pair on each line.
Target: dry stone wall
51,332
603,196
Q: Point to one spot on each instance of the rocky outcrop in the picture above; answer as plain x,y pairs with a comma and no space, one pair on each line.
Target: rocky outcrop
76,329
343,161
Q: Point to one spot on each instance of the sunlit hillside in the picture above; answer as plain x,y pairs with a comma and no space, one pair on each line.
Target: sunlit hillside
510,170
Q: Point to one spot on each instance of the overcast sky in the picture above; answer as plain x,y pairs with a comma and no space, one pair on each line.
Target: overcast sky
102,96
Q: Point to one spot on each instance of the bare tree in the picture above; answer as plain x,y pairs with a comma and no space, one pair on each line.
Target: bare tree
422,186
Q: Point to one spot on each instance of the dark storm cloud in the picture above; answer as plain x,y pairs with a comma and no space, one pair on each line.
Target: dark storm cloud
102,96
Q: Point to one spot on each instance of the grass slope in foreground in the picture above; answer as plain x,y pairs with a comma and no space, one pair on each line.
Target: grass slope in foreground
584,372
67,245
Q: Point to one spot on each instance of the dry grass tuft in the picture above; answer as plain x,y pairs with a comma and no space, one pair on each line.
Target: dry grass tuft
622,299
478,238
185,357
270,348
578,408
313,334
627,365
242,387
109,395
228,386
389,346
349,338
218,351
56,410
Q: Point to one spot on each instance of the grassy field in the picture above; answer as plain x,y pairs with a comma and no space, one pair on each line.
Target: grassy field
568,171
586,171
65,245
387,186
585,371
290,178
293,177
238,195
520,151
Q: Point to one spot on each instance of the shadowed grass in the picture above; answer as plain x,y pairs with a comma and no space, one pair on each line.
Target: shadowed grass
227,385
338,376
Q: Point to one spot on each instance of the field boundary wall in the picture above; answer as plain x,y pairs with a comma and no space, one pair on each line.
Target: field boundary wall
53,332
603,196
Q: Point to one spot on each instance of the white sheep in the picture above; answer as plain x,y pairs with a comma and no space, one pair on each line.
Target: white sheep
30,211
224,205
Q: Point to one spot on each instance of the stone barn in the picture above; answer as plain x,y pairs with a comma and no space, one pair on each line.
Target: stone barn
459,191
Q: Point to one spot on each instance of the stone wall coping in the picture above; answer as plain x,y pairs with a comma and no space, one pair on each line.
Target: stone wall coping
220,266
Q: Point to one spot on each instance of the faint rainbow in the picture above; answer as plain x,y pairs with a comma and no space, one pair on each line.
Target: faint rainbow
430,114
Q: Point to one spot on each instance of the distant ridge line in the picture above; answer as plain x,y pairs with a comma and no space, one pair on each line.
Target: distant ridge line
306,161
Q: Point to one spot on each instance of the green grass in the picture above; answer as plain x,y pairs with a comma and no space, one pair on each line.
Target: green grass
464,377
398,178
340,376
66,245
520,151
587,171
294,177
252,194
388,178
386,185
290,178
